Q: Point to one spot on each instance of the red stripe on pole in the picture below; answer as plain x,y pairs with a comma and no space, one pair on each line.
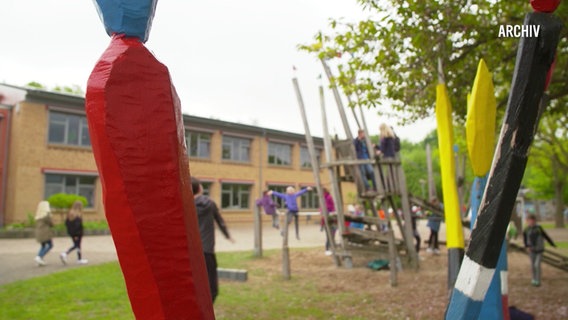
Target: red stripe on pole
137,137
505,305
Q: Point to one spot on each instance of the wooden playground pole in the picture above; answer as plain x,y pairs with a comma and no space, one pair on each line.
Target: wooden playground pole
286,273
315,168
257,232
335,188
257,215
350,103
431,185
534,60
338,100
348,134
405,203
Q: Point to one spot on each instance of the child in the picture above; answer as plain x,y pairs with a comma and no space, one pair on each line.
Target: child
533,237
290,198
269,207
330,206
74,225
434,222
44,232
358,213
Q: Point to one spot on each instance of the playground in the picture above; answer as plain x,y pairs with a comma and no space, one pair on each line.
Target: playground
317,289
374,270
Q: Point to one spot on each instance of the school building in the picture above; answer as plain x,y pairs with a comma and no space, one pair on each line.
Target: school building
45,149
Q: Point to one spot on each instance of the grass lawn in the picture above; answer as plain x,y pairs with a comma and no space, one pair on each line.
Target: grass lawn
94,292
549,225
562,245
99,292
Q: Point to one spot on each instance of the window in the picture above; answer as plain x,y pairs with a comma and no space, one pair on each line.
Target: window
236,149
305,160
206,188
235,196
279,154
279,201
71,184
198,144
69,129
310,199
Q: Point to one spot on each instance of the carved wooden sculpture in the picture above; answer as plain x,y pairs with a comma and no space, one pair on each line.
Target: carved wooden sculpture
137,134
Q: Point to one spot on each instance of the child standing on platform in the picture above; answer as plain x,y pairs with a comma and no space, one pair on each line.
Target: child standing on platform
290,197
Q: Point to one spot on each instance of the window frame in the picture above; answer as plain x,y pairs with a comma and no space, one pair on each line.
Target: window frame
304,151
207,185
241,190
200,137
91,201
277,152
310,199
242,145
82,131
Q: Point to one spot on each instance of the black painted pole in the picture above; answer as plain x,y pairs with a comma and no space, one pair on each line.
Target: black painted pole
534,59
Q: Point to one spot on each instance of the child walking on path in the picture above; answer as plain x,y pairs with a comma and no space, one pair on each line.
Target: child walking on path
533,237
269,207
74,225
290,199
43,231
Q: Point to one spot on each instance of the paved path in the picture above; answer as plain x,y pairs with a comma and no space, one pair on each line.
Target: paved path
16,255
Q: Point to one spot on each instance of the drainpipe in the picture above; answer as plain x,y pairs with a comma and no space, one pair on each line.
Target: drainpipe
5,168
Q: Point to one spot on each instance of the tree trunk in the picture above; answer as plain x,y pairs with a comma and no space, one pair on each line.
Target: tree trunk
559,193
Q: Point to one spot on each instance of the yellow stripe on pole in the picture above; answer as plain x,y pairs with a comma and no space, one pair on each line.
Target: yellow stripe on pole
454,229
480,123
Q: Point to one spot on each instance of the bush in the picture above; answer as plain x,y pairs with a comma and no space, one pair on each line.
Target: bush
65,201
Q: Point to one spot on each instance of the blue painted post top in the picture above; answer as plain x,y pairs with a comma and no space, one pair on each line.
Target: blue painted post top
132,18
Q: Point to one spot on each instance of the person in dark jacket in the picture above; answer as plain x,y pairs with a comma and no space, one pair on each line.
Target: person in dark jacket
74,225
534,236
386,147
363,152
207,215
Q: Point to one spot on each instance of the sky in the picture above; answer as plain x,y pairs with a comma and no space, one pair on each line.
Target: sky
229,60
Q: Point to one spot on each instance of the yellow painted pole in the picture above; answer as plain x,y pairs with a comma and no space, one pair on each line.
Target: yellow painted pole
447,163
454,229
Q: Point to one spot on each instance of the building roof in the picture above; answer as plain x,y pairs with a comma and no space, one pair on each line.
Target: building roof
76,101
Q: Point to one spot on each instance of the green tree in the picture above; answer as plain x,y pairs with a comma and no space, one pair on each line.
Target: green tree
73,89
548,163
393,55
